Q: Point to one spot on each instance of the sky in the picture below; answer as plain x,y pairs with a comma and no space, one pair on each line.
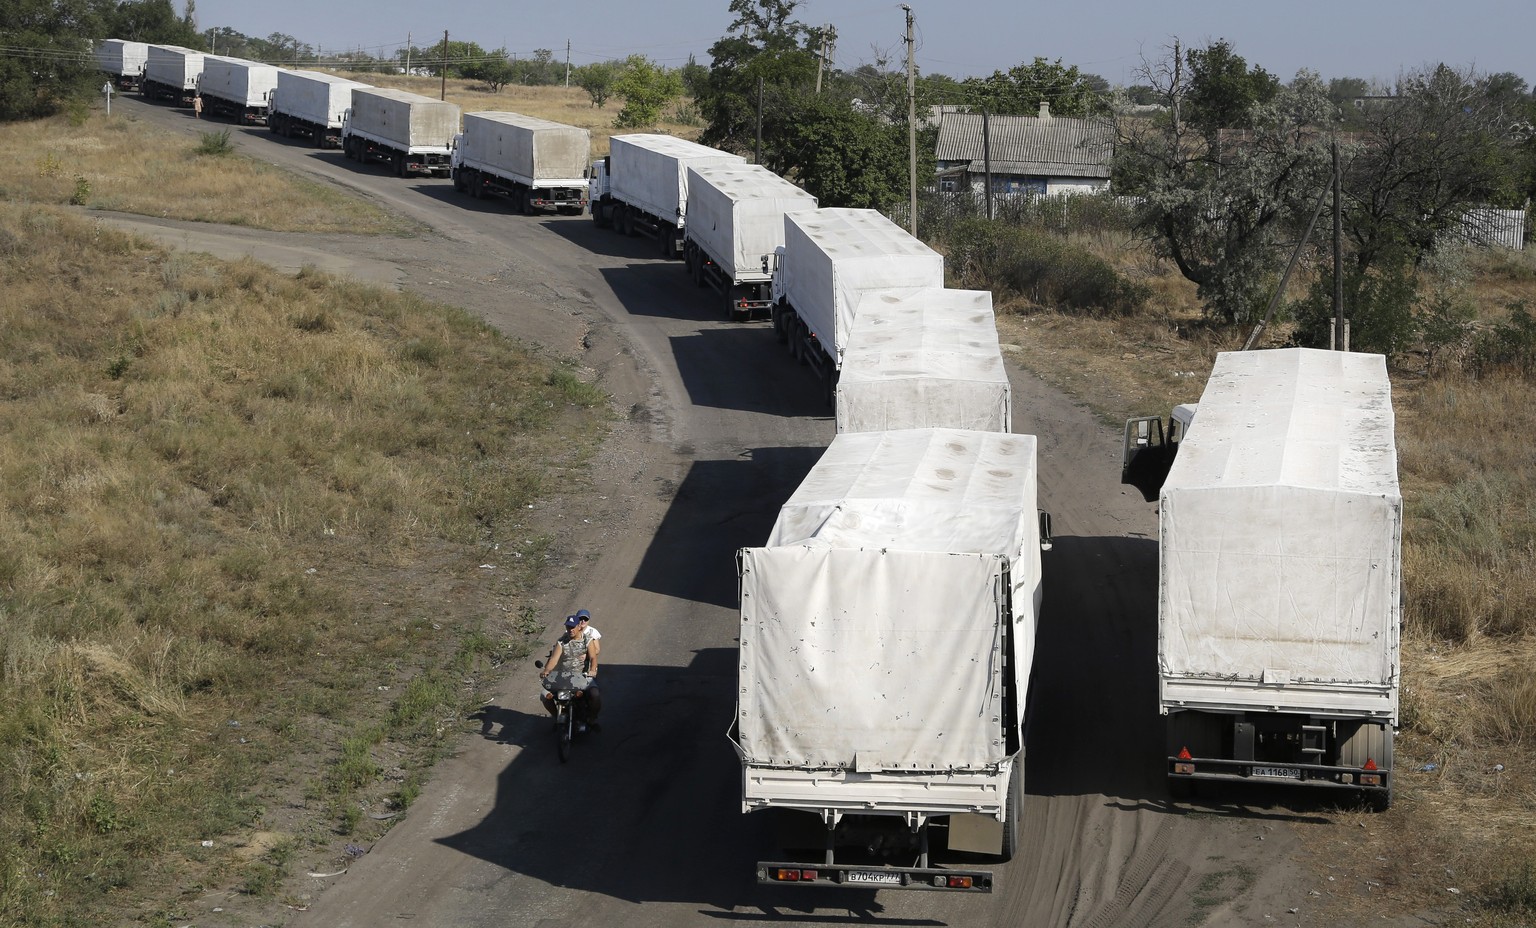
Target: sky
1111,38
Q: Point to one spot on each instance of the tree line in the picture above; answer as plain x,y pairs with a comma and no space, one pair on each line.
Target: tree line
1227,160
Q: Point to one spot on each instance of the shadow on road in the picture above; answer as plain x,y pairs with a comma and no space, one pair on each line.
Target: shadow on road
719,507
648,809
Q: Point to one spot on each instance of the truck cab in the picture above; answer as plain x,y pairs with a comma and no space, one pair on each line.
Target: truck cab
1149,447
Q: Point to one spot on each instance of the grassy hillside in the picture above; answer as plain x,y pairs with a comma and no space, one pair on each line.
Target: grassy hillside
230,504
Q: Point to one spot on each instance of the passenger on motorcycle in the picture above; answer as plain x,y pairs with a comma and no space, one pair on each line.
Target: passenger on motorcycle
572,663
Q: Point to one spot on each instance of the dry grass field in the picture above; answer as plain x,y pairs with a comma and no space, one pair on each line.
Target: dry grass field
569,105
116,163
231,501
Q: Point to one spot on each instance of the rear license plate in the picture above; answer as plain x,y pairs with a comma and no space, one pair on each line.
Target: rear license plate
873,876
1278,773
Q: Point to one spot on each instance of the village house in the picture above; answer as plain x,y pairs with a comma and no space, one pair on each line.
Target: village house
1041,154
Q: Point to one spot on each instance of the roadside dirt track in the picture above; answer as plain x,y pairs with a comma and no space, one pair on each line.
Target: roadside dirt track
642,827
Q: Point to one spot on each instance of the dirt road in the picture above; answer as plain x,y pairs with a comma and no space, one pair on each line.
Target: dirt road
643,827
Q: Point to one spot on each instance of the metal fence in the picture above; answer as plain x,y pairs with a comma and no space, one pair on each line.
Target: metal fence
1488,226
1058,212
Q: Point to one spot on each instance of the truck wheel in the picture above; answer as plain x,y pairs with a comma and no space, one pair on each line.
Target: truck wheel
668,241
399,165
525,202
597,216
776,314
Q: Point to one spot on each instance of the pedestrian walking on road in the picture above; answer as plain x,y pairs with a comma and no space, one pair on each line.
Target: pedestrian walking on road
197,106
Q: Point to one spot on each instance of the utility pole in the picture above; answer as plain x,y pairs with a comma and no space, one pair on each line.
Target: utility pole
986,155
823,55
567,64
1338,257
757,155
911,126
407,54
443,95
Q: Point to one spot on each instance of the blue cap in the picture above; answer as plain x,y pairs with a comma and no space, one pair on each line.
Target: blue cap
583,614
572,621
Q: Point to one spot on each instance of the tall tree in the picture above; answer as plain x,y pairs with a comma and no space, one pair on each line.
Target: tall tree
646,87
47,63
1022,89
1221,181
1446,141
764,48
1223,89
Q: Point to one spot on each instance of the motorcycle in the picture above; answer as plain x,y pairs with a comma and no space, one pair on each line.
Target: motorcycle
570,714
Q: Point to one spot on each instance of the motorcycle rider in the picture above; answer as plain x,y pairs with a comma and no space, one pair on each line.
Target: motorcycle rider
573,661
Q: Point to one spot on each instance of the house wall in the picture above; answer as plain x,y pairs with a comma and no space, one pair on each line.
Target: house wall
1036,186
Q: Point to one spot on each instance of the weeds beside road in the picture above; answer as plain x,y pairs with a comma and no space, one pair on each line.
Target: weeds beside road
231,502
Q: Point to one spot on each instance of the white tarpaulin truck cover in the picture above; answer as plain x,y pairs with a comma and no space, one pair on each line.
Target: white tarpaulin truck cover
651,172
872,623
736,214
832,256
1281,525
924,358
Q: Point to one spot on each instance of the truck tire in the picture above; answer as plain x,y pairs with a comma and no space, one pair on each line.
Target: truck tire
525,201
399,165
668,239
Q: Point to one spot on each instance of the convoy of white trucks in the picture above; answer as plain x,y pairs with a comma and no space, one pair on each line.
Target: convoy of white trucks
924,358
887,633
829,259
122,61
312,105
888,623
735,226
1279,596
539,164
642,186
171,73
410,133
237,89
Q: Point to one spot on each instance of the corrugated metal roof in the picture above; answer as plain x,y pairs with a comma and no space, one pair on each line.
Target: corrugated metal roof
1057,146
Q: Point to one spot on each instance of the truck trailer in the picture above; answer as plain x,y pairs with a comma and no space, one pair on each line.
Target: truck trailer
539,164
829,259
735,224
1279,594
642,186
310,104
923,358
171,73
887,632
410,133
122,61
237,89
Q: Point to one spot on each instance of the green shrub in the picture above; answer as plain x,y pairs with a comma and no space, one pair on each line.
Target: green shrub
1510,344
215,143
1040,267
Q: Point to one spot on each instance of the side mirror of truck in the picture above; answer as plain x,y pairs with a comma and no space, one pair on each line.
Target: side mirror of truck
1045,530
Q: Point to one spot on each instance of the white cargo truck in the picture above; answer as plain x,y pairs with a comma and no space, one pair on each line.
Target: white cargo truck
735,224
924,358
887,632
645,184
830,258
410,133
123,61
1279,595
237,89
171,73
539,164
310,104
